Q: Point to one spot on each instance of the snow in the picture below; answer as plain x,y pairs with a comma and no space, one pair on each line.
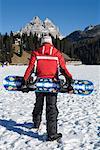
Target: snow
78,120
90,27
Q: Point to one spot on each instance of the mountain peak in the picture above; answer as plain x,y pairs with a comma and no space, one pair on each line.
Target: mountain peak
40,27
90,27
49,23
47,20
36,20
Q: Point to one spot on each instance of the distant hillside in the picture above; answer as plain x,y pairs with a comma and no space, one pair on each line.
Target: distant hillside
84,45
89,32
24,59
17,59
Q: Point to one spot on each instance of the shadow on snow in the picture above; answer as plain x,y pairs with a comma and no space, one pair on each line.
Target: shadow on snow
16,127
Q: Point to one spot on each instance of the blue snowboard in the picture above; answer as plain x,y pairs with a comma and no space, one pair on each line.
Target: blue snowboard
81,87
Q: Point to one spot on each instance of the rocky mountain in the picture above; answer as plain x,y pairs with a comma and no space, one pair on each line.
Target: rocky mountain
41,27
89,32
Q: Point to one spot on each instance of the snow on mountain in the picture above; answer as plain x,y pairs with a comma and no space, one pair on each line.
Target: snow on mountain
90,27
41,27
78,119
89,32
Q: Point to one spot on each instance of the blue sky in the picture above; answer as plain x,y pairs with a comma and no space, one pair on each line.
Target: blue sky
68,15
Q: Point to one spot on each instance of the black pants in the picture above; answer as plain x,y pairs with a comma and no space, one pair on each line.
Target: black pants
51,111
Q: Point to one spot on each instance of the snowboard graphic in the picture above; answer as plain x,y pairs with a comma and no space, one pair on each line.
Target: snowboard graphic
81,87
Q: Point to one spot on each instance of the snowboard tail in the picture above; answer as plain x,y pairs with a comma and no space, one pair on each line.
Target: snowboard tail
81,87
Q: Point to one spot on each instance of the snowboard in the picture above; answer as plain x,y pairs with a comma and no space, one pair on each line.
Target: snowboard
81,87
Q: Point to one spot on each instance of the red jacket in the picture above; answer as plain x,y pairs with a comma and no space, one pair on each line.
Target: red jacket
46,60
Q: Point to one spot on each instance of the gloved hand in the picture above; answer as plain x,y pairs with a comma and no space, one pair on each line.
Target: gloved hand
69,81
24,86
70,89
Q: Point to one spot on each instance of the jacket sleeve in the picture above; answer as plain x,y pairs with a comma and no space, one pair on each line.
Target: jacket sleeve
30,68
62,65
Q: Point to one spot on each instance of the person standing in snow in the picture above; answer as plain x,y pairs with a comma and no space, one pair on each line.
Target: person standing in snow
47,58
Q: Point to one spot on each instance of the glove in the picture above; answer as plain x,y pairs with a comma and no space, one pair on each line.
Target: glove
69,81
70,89
24,86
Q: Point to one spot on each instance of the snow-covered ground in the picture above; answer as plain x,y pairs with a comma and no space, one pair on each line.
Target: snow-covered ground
78,120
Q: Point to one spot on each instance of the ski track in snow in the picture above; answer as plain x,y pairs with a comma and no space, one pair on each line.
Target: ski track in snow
78,119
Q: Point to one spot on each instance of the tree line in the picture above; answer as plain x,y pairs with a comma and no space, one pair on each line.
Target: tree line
85,50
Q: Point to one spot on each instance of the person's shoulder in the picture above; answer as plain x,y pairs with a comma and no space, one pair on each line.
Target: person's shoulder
56,51
33,53
37,51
